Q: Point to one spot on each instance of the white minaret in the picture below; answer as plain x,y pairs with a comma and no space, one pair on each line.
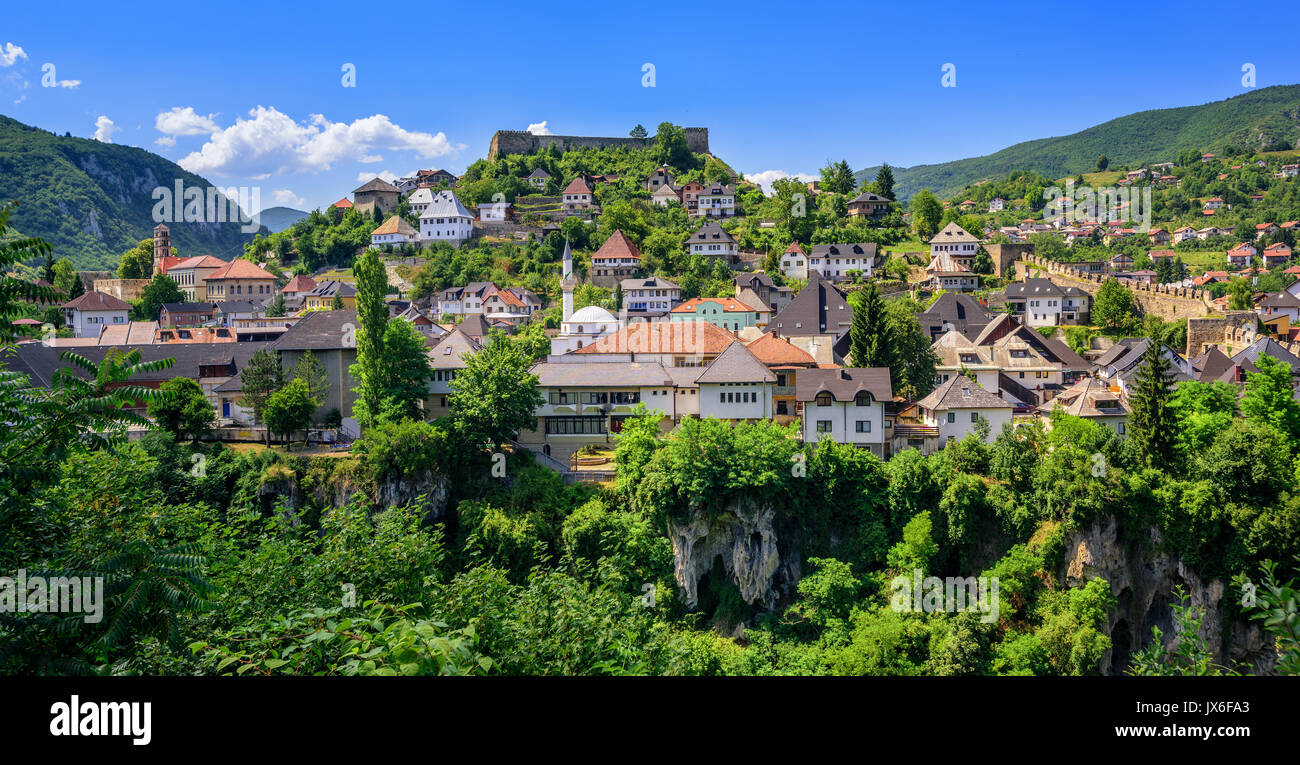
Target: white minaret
567,281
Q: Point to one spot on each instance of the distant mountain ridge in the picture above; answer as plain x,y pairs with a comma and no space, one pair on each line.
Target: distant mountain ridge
92,201
1254,120
277,219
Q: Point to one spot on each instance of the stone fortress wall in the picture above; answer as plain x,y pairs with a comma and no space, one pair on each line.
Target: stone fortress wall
521,142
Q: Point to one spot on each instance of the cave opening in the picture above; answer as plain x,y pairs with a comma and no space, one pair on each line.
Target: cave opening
1121,647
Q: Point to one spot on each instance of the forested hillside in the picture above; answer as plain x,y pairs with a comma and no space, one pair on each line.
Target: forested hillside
91,201
1264,119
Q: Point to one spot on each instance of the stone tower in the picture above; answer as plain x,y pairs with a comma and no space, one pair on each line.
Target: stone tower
162,246
568,282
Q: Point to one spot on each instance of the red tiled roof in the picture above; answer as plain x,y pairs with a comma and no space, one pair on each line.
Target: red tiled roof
578,185
729,305
774,350
241,269
343,204
617,246
200,261
299,283
695,337
97,301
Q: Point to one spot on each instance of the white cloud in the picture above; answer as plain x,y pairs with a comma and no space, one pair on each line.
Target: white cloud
287,198
10,54
765,178
177,121
271,142
71,84
539,128
387,175
104,129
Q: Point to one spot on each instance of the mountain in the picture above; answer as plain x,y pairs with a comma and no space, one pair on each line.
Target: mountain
92,201
277,219
1261,119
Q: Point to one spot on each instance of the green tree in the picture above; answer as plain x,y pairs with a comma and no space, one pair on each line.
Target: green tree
161,290
495,396
182,408
13,290
1102,163
1113,308
137,262
289,409
639,131
311,371
912,361
1270,400
868,335
372,315
927,212
277,308
1150,420
671,148
885,181
261,377
406,372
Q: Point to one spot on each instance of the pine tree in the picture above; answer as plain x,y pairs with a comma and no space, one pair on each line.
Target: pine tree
1150,422
885,181
868,344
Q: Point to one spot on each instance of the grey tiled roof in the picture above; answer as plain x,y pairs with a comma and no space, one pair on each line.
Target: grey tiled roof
602,374
736,364
961,392
320,330
844,384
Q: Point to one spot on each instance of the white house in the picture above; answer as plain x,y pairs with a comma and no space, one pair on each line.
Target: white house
794,262
91,312
846,405
713,241
446,220
420,199
395,230
652,295
956,407
494,211
1042,303
835,261
997,204
955,242
716,200
736,386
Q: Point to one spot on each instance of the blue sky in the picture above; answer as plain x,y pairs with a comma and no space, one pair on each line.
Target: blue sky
230,90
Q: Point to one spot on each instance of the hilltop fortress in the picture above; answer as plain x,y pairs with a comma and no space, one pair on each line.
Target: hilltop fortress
521,142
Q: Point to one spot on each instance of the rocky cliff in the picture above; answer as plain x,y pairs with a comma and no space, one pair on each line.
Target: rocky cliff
1143,578
744,536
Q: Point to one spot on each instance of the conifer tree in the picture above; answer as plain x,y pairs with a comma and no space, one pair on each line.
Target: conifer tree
1150,421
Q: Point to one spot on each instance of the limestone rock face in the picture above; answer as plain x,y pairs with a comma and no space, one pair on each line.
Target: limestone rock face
1143,578
744,536
430,488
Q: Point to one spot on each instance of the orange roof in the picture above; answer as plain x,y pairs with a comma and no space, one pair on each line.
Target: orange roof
664,337
300,283
617,246
507,297
794,247
773,350
168,263
241,269
729,305
199,261
577,186
342,204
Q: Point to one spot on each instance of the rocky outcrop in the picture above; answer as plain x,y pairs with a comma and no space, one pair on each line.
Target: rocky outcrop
1143,578
429,492
744,536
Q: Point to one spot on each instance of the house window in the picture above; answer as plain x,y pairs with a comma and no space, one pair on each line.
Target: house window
862,399
952,417
823,399
974,417
863,426
823,426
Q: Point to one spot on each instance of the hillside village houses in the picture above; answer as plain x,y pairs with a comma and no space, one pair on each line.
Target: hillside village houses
1041,303
376,193
578,195
89,313
868,205
794,262
724,312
